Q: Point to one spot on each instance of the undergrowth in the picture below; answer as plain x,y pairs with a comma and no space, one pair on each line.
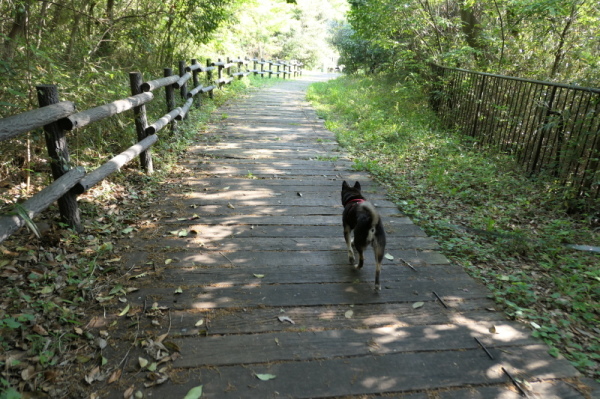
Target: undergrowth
505,229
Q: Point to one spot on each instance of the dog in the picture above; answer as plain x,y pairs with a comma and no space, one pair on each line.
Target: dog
361,218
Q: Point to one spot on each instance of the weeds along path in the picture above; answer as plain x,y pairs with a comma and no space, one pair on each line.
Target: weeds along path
245,288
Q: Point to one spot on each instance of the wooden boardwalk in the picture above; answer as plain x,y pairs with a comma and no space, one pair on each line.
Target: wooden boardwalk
265,286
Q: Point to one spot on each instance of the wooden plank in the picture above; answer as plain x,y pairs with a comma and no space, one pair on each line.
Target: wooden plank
246,170
209,233
293,244
284,295
269,220
363,375
245,189
297,274
315,318
287,203
313,345
330,184
546,390
234,208
245,258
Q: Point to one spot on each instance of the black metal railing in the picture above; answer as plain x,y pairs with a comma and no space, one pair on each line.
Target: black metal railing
549,127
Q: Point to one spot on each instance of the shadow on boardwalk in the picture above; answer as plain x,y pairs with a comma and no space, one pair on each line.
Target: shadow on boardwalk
265,287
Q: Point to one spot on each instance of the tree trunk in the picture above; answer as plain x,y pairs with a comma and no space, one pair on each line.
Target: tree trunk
17,31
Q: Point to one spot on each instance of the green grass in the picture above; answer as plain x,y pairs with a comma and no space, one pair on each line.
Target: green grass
505,229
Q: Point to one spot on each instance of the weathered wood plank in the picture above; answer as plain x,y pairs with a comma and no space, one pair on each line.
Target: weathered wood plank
298,274
290,205
316,318
313,345
283,295
294,244
332,185
545,390
363,375
268,220
209,233
281,258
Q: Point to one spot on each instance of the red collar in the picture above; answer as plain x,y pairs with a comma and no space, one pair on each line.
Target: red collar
354,201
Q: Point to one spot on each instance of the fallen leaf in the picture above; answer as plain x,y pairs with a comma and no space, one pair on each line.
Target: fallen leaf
199,323
259,275
265,377
194,393
230,206
128,392
91,377
124,311
114,376
285,318
492,329
39,330
178,291
418,305
143,362
27,373
101,343
388,256
349,314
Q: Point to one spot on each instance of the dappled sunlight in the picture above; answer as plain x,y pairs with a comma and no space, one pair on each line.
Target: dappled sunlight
379,383
504,332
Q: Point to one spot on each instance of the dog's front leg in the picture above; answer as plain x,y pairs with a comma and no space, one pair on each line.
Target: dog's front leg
347,234
377,273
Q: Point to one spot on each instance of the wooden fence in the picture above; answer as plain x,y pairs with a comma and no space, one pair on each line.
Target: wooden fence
57,118
549,127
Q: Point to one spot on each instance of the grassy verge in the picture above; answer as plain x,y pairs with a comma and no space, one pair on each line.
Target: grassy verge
505,229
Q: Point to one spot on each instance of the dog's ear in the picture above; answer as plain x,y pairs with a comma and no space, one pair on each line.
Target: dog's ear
345,185
357,185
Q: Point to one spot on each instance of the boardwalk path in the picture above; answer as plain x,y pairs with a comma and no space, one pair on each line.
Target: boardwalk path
264,198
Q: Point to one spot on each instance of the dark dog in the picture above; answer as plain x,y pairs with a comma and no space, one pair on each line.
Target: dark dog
361,217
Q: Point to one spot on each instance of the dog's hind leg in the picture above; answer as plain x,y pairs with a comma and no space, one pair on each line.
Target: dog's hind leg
348,238
378,250
361,257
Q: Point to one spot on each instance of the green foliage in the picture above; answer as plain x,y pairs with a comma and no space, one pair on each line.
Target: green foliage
541,39
505,229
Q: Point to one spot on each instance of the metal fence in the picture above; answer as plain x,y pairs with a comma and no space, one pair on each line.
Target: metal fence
550,128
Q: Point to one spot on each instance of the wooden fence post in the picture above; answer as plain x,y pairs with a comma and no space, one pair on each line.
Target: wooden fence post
228,68
262,67
141,123
254,66
60,158
196,82
183,90
170,95
219,71
209,77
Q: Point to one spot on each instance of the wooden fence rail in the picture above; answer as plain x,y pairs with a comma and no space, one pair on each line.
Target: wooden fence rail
549,127
57,118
